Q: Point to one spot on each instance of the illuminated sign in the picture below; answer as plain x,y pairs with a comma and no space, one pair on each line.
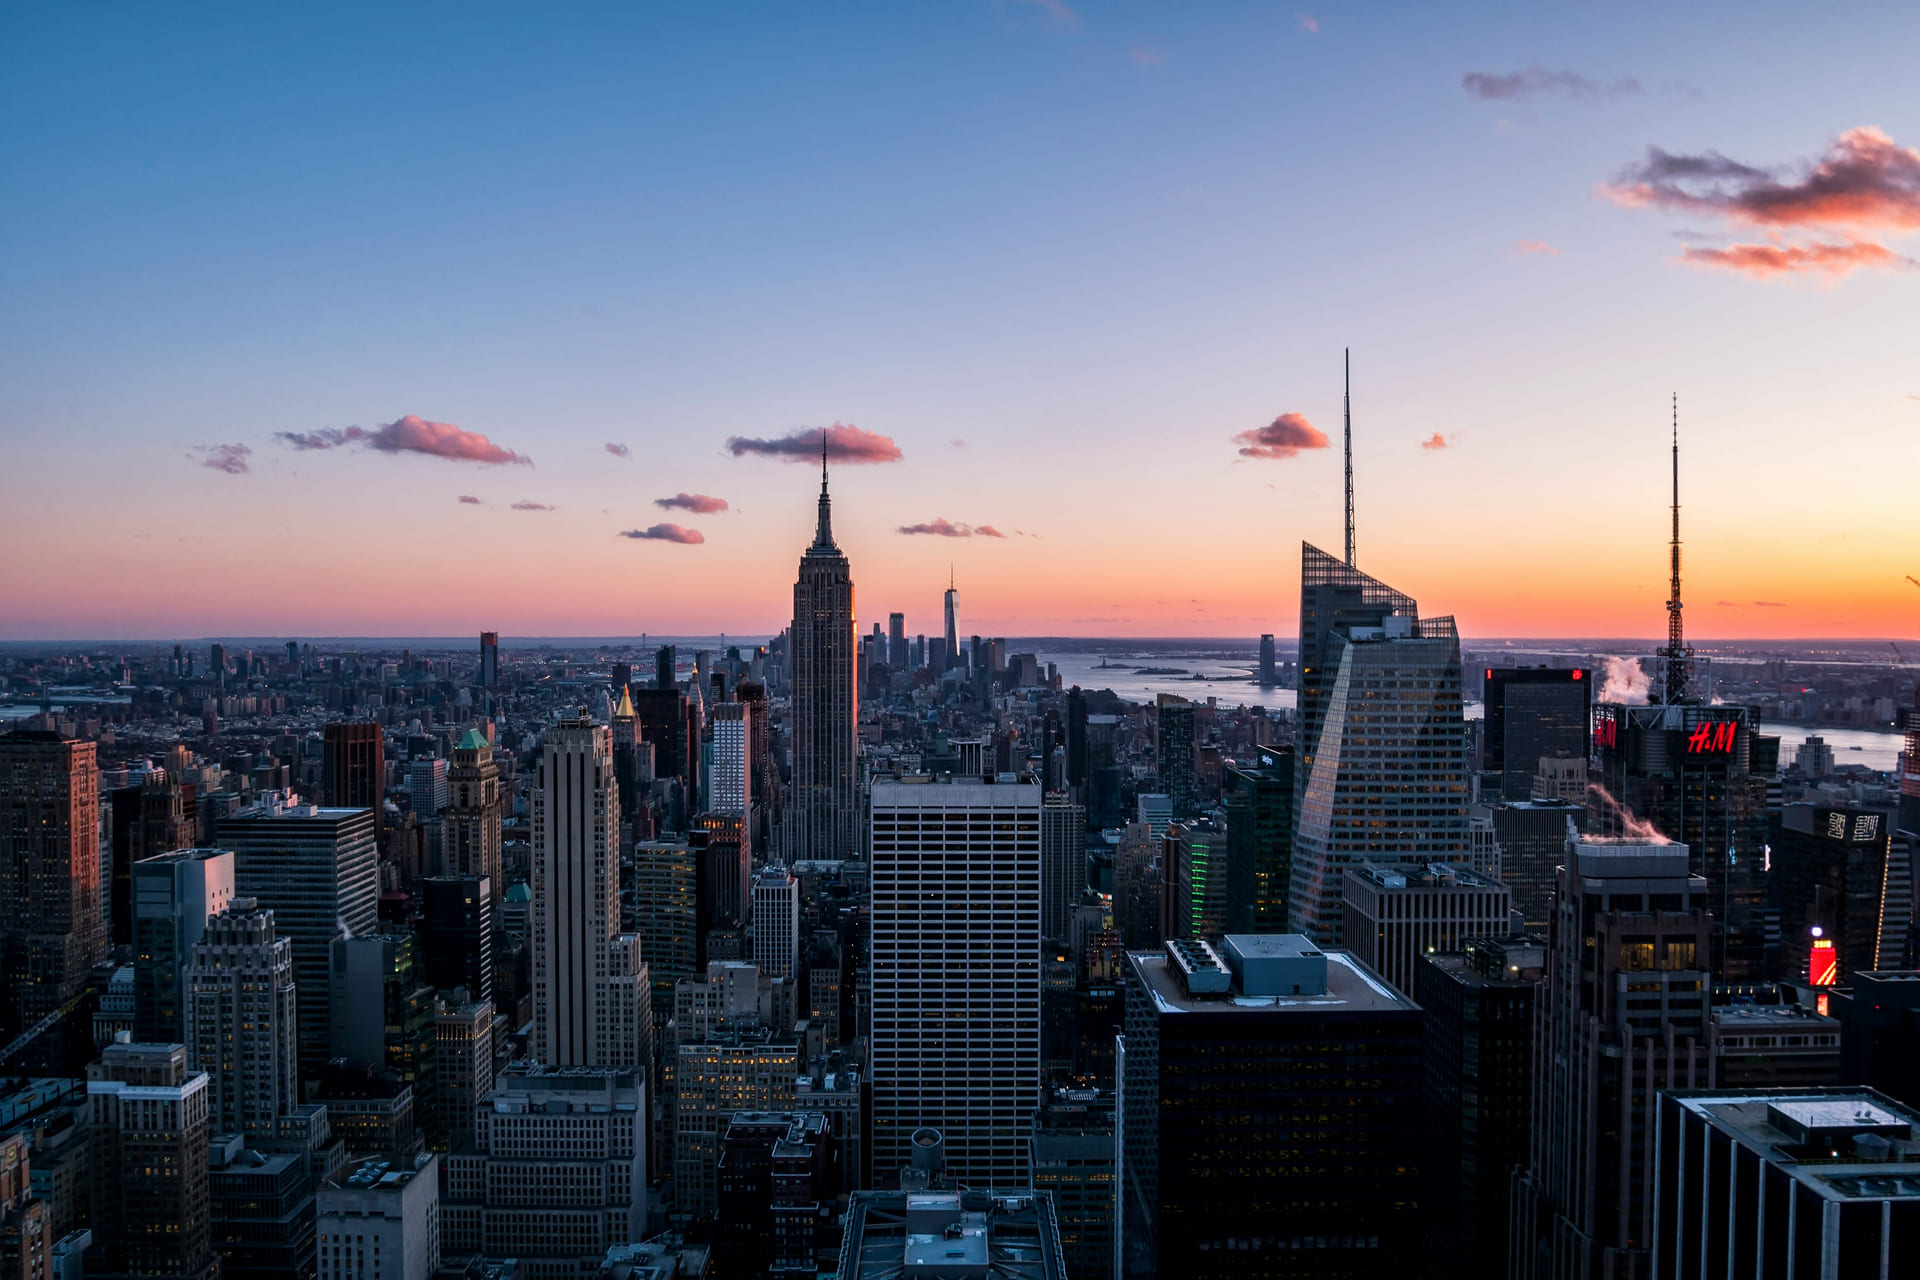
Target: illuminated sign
1606,731
1823,963
1864,826
1578,674
1715,737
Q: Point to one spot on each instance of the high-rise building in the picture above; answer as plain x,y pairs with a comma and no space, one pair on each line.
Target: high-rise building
462,1069
1259,808
666,887
354,768
1880,1033
953,624
383,1015
156,815
1194,859
1382,766
592,1002
777,1185
149,1114
1063,862
1268,1121
896,642
1077,763
824,815
489,659
317,870
1072,1156
173,896
26,1219
724,1072
470,839
1395,913
455,935
1837,873
776,922
1623,1016
954,873
666,669
1532,835
427,788
1335,598
1533,714
1817,1184
51,933
1477,1049
380,1220
240,1020
730,782
1269,676
1772,1046
974,1232
1173,752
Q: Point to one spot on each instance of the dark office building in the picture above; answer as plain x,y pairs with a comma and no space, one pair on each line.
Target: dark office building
1532,835
489,659
354,768
1533,712
1269,674
1879,1021
1173,752
1077,742
1269,1115
665,676
1072,1156
662,717
262,1211
1686,768
1813,1184
1478,1051
159,815
1840,870
1259,805
456,934
776,1188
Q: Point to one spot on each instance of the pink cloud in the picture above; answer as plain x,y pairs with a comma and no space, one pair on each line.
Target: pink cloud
845,443
469,499
698,503
1307,23
531,506
1765,261
1284,437
1865,179
1535,246
1436,442
941,527
411,434
666,533
617,450
230,458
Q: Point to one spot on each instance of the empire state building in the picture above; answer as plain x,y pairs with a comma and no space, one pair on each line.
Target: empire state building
824,818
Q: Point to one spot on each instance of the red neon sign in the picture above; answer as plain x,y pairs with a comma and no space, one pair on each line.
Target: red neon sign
1711,738
1578,673
1823,963
1606,732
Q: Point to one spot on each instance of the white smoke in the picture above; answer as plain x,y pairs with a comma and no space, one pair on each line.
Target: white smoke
1626,683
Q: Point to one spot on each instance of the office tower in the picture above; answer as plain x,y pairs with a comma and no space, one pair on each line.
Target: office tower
1268,675
629,771
953,627
823,819
730,782
776,923
777,1186
1077,743
1838,870
50,930
722,1073
1564,780
151,1209
1259,808
462,1069
975,1232
1477,1050
1063,862
1395,913
1773,1046
666,673
726,874
1684,770
156,815
936,656
240,1027
896,642
262,1194
557,1171
1816,1184
1335,598
1155,811
489,659
1383,759
383,1015
1268,1120
1624,1015
427,788
380,1220
590,988
173,896
316,869
1194,860
1533,714
368,1110
954,878
1880,1033
666,887
354,768
1072,1157
662,715
470,828
455,935
26,1220
1532,835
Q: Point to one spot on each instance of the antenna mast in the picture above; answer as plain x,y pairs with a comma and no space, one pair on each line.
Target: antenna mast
1347,405
1677,654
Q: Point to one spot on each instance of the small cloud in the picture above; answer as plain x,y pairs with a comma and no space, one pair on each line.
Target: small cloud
1284,437
941,527
531,506
666,533
698,503
960,442
1436,442
844,443
230,458
1765,261
410,434
1769,604
1726,604
469,499
1535,82
617,450
1535,246
1144,56
1307,23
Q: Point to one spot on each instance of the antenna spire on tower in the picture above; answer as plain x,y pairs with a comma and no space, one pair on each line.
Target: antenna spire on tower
1678,656
1347,401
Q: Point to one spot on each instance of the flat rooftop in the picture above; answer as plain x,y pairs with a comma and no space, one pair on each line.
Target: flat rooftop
1350,986
1839,1143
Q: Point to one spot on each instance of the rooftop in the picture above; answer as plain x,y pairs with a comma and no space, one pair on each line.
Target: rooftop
1421,875
1350,987
935,1235
1839,1143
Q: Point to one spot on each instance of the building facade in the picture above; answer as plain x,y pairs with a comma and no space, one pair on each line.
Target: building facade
241,1016
823,813
51,933
470,827
1397,913
174,894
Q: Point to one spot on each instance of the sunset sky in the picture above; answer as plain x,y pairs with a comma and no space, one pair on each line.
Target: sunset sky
319,320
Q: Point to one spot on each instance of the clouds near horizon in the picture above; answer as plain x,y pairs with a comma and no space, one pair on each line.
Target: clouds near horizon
698,503
617,450
230,458
1436,442
409,434
666,533
531,506
844,443
1537,82
1284,437
941,527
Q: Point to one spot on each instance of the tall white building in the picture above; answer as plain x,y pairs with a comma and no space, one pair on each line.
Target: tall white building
380,1221
241,1019
730,784
776,922
591,999
427,788
955,882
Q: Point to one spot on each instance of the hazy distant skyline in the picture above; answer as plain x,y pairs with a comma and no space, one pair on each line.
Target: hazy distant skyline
347,321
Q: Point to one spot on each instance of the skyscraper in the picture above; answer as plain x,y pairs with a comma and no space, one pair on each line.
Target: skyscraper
955,876
1268,676
823,819
730,784
666,673
470,844
1382,767
1533,713
591,1002
776,923
953,625
1838,873
50,930
1173,752
489,659
456,934
1063,862
354,767
156,815
240,1026
152,1208
1259,805
896,642
174,894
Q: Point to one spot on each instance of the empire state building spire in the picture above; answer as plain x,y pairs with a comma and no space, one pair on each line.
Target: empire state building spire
823,819
823,536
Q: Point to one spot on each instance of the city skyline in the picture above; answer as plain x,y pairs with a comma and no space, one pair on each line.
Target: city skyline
271,330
